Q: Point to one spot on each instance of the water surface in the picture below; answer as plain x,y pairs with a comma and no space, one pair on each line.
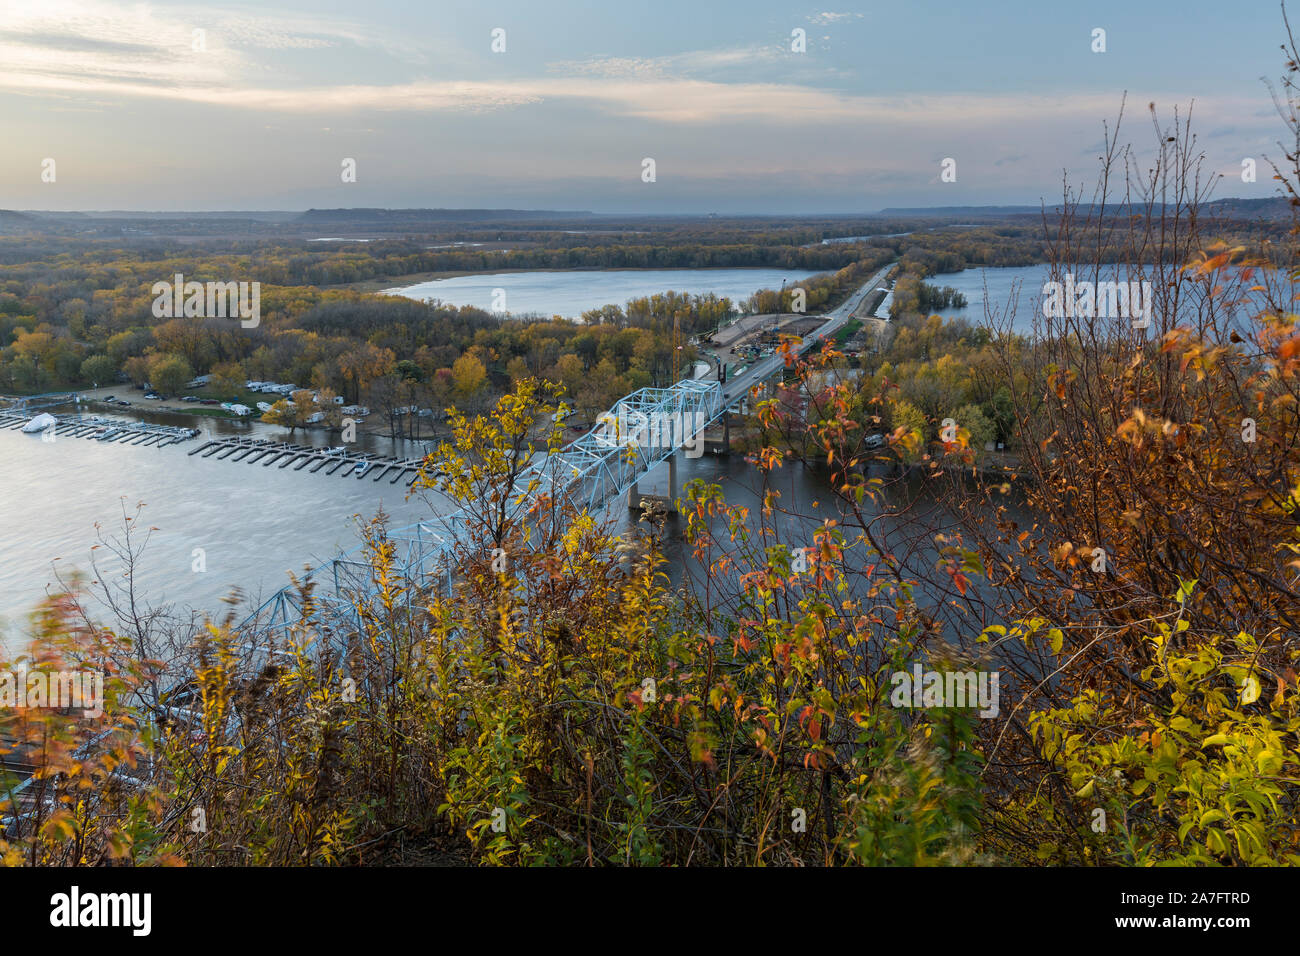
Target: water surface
570,293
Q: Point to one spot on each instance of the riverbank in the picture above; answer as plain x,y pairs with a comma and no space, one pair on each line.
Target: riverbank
96,399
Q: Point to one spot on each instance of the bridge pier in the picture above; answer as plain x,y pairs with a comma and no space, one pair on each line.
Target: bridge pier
636,501
714,446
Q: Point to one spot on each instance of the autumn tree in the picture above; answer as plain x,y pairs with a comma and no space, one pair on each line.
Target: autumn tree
168,374
292,412
469,376
227,380
362,364
137,369
99,370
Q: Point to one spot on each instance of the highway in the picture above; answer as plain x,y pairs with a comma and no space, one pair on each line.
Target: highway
736,388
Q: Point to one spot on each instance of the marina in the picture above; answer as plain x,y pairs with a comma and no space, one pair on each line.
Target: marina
328,461
114,430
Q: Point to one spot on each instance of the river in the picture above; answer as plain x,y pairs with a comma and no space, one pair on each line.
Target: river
1002,288
1017,292
250,524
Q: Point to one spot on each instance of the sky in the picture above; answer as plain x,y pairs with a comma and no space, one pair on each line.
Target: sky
240,106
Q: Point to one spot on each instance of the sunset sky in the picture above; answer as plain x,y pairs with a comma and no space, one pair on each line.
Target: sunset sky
262,118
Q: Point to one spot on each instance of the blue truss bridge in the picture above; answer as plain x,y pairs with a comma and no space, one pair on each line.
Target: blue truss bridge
639,432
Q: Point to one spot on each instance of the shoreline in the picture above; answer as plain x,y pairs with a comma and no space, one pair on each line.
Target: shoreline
92,400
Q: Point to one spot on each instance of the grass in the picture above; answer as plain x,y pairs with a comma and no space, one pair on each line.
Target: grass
849,328
242,397
210,412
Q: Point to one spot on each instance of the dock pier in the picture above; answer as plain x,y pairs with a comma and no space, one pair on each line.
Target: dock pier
113,430
234,448
261,451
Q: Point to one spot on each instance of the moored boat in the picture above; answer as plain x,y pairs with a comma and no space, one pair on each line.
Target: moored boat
41,422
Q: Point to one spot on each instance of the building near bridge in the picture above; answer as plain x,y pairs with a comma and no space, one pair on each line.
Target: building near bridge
882,310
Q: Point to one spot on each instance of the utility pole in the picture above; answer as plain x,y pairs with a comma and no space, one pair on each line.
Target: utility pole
677,349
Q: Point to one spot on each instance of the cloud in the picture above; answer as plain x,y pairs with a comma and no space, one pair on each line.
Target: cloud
105,52
825,19
615,67
282,35
694,63
99,47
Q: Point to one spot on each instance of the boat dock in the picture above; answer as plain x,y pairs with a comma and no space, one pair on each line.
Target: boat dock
104,429
253,451
329,461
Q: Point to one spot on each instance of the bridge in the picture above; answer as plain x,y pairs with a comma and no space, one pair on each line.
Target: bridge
638,433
